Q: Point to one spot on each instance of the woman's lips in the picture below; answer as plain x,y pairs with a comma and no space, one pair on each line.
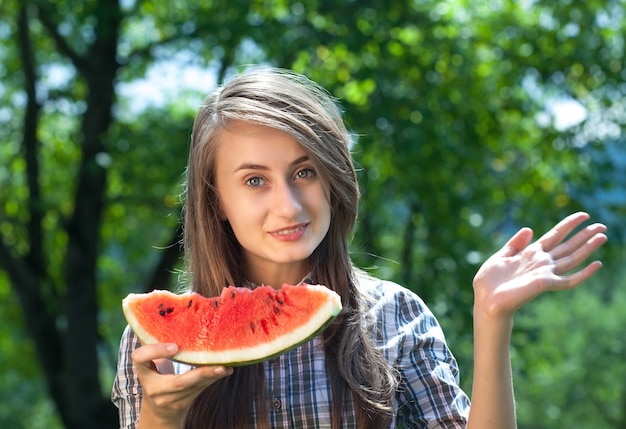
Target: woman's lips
291,233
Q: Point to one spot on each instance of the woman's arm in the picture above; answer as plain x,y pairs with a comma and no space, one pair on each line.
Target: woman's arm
515,275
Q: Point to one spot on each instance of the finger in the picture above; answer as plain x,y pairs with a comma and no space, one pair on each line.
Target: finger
558,233
578,256
144,356
578,240
182,389
204,374
578,277
517,243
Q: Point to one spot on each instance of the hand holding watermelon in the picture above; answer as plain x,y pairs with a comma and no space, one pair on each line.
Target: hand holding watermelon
167,396
239,327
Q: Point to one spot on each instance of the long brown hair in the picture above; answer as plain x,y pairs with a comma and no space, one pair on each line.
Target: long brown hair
291,103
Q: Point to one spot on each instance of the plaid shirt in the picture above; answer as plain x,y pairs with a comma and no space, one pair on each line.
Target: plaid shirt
411,339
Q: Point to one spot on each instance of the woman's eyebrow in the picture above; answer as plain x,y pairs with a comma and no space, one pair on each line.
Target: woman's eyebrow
253,166
250,166
300,160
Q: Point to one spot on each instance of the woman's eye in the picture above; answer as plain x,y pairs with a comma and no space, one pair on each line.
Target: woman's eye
304,173
254,182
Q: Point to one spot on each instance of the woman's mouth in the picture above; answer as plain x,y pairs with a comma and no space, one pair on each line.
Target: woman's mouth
290,233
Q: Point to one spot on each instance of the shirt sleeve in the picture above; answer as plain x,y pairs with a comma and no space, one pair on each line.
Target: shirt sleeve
126,393
429,395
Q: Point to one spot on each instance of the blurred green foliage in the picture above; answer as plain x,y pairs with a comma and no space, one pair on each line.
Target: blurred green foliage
455,136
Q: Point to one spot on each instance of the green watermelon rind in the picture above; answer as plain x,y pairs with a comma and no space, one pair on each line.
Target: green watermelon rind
181,357
246,356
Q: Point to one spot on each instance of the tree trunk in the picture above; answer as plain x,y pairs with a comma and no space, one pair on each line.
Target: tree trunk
88,408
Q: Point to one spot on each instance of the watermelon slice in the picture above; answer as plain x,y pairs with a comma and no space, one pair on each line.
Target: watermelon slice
240,327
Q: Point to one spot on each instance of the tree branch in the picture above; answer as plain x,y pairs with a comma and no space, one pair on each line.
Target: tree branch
30,144
44,14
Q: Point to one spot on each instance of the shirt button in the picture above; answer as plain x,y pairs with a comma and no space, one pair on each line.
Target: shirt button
276,404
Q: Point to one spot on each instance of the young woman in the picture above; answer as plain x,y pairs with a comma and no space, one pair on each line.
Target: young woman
272,198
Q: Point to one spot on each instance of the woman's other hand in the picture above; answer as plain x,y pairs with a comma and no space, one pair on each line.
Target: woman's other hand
521,271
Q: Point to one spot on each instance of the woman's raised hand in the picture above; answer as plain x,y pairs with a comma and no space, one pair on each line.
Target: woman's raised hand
167,396
521,271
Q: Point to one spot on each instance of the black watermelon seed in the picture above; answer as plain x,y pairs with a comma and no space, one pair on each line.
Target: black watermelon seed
280,301
232,295
169,310
276,310
162,313
189,303
216,303
252,326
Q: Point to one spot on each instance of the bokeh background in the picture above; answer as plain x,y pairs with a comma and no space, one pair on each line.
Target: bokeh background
471,118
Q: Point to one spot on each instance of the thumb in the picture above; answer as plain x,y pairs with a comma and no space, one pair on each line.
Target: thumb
148,353
517,243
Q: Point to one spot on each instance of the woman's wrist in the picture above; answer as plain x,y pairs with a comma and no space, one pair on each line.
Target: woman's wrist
150,418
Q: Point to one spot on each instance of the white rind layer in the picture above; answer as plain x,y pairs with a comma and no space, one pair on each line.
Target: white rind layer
248,355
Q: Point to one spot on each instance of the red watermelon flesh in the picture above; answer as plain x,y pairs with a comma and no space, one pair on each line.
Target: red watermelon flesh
240,327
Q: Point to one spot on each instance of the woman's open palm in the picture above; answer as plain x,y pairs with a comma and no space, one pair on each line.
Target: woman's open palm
522,270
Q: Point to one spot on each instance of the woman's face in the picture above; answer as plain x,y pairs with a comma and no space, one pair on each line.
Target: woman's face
274,200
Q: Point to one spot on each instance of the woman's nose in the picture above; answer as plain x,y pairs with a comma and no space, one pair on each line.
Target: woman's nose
286,201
